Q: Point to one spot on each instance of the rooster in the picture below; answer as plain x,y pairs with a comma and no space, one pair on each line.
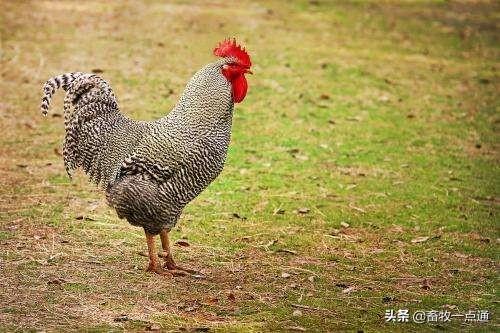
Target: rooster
150,170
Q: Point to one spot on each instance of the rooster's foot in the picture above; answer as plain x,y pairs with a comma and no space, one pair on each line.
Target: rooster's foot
158,270
176,270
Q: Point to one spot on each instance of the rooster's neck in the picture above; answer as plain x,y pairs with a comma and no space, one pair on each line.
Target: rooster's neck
206,102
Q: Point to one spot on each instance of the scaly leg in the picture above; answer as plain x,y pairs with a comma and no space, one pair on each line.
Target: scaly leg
169,260
154,265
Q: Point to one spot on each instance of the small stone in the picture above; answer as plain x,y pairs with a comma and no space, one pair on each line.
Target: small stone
297,313
383,98
303,210
285,275
121,318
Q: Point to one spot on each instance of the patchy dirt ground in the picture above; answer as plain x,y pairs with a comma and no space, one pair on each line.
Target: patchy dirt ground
362,177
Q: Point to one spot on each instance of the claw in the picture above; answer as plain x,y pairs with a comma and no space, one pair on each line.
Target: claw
158,270
181,271
177,272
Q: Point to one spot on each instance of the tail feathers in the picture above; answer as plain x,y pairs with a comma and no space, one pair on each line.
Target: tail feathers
92,98
50,87
90,114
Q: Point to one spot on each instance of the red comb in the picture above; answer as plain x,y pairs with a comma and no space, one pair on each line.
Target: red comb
228,48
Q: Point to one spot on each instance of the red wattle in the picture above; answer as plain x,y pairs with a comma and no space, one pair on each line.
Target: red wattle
240,87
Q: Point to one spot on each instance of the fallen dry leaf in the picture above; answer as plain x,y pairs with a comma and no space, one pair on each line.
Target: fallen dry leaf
238,216
334,232
212,300
348,290
286,251
271,242
57,281
243,238
85,218
357,208
396,228
420,239
353,118
296,328
279,211
301,157
182,243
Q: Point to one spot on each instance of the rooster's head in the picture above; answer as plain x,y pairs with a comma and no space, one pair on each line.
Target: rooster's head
237,66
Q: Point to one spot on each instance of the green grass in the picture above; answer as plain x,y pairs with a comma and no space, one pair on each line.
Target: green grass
381,115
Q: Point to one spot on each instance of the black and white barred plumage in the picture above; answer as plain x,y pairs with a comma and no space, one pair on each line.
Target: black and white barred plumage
150,170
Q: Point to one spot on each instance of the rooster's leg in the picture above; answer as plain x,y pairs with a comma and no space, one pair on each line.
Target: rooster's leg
154,265
169,260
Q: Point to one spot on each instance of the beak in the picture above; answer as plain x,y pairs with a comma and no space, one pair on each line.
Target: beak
247,71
